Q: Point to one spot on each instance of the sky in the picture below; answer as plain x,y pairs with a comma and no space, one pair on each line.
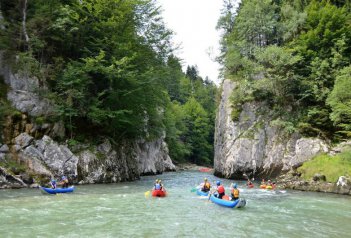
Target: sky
194,24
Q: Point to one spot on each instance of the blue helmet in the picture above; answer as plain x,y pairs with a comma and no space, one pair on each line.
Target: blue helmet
218,183
235,185
64,177
53,181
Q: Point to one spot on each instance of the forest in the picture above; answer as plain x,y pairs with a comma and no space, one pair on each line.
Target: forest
110,68
294,56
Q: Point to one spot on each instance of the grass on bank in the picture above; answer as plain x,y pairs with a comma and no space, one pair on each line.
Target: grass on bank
331,166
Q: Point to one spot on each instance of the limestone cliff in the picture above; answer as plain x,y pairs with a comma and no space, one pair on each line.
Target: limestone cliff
29,153
253,146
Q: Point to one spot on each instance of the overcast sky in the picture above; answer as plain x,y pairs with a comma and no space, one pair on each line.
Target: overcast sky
194,23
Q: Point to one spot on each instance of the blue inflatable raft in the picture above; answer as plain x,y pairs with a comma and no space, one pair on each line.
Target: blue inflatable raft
241,202
57,190
201,193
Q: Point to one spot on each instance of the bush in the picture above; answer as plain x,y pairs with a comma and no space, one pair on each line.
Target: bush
331,166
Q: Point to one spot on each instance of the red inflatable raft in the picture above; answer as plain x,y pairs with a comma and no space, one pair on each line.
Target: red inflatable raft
159,193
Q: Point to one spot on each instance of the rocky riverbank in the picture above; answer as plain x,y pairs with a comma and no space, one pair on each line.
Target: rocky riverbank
293,180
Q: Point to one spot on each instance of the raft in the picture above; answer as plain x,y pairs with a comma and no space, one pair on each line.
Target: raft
250,185
201,193
267,187
159,193
205,170
241,202
56,190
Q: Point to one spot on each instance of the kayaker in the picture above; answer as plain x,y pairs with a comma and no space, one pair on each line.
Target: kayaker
235,192
263,182
64,182
53,184
249,183
220,190
206,186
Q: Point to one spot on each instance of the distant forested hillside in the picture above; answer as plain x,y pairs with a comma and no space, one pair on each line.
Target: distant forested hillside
294,55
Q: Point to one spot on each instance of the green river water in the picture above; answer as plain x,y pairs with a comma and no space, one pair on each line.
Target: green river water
121,210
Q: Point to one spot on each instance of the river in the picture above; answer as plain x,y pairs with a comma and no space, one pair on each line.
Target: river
122,210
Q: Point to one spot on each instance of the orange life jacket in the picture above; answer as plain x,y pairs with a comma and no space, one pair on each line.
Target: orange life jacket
207,185
235,193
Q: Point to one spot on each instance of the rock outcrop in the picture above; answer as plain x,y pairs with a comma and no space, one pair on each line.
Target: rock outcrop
37,161
30,150
253,145
292,180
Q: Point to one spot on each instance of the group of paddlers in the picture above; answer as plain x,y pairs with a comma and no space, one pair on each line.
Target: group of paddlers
219,191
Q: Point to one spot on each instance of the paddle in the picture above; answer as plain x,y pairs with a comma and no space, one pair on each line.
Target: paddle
147,194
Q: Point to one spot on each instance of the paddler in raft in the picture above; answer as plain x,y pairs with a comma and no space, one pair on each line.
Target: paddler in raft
64,182
234,192
53,183
220,190
249,183
158,185
206,186
263,184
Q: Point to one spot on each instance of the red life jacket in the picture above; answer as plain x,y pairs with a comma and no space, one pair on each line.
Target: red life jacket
220,189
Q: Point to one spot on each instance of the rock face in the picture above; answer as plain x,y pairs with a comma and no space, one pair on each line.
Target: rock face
37,157
253,146
152,157
45,159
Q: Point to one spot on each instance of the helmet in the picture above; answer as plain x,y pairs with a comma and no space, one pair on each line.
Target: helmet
64,177
205,179
156,180
159,180
53,181
235,185
218,183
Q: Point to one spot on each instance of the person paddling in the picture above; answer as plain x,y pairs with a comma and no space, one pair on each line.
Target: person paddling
64,182
206,186
249,183
161,185
220,190
53,184
157,185
235,192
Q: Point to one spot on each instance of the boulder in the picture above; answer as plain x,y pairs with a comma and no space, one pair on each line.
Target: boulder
319,177
23,140
4,149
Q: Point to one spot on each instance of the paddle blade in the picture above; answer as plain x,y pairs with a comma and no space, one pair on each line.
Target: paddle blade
147,194
193,190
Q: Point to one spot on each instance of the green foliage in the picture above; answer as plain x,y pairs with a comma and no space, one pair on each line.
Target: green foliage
13,166
289,54
197,122
111,72
331,166
340,101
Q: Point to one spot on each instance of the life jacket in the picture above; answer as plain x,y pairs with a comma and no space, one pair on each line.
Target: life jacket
207,185
235,192
157,186
220,189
